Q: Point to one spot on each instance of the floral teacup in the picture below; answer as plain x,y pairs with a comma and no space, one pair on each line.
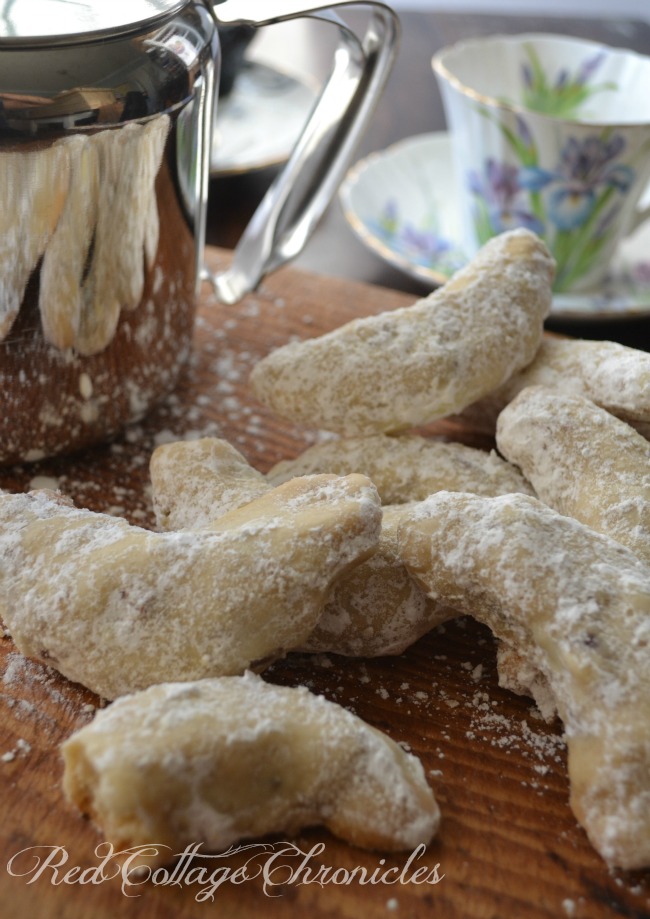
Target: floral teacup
553,134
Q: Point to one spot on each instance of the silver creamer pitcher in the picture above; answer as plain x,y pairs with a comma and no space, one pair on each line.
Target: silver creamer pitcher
105,133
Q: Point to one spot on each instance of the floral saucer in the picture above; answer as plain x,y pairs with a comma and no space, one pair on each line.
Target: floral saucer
259,121
400,202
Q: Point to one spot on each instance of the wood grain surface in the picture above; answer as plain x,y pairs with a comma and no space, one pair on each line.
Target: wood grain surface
508,846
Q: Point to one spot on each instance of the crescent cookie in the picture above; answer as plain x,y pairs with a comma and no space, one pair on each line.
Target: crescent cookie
221,760
576,605
118,608
407,367
613,376
374,608
582,461
408,467
196,481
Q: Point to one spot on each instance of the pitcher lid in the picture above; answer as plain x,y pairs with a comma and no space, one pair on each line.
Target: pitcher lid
29,22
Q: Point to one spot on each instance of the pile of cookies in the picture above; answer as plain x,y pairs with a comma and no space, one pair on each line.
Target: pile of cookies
359,546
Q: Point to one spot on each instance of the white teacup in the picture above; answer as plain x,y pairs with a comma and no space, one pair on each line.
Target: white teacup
551,133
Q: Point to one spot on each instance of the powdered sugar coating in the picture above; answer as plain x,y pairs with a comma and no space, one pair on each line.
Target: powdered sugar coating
613,376
405,368
226,759
118,608
408,467
374,608
194,482
582,461
576,605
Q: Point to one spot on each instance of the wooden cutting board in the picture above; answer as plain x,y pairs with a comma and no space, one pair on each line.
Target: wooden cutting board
508,846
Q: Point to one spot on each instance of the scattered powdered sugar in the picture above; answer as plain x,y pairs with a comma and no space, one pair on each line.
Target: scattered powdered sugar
490,726
22,747
21,674
38,701
450,700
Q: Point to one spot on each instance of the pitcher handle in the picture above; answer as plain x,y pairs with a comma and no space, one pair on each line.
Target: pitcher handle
297,198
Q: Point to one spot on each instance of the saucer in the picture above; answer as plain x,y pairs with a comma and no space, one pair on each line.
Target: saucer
259,121
400,203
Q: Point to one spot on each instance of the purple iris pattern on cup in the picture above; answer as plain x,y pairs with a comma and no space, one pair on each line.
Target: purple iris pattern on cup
587,169
572,206
498,192
422,245
564,94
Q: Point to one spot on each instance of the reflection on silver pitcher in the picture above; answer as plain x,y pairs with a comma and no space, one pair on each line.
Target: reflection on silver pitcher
105,136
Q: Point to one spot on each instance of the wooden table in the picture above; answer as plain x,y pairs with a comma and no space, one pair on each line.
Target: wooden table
509,845
411,105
